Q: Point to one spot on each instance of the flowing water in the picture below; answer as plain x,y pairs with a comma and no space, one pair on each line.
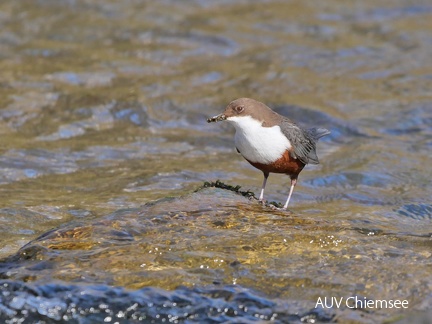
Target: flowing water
103,108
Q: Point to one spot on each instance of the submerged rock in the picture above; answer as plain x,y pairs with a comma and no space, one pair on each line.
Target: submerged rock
217,240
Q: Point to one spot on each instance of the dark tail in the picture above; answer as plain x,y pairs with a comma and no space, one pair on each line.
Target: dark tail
317,133
314,134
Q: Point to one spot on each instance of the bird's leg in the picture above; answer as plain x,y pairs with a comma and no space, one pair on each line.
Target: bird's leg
261,197
293,183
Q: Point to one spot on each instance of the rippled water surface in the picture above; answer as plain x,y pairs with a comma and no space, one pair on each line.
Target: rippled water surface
103,108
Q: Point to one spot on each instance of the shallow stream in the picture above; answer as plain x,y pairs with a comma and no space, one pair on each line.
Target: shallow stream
103,108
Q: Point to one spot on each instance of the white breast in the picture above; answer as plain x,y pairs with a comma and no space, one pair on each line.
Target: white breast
257,143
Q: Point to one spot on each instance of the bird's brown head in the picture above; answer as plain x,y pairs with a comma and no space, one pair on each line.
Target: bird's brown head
241,107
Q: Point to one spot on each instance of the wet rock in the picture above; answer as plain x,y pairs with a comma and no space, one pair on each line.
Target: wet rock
217,237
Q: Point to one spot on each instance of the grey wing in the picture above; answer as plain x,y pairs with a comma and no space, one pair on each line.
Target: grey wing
302,141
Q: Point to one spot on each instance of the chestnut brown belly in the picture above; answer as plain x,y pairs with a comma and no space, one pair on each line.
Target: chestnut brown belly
285,164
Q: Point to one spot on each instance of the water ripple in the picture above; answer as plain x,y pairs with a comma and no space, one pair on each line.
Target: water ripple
106,304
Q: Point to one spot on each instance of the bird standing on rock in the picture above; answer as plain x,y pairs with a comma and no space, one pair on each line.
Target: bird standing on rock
270,142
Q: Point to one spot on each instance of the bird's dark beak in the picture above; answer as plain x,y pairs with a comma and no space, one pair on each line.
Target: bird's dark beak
216,118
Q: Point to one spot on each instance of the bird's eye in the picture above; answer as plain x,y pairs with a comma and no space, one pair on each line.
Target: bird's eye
238,109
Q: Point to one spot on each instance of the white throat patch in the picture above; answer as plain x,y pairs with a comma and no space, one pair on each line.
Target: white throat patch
257,143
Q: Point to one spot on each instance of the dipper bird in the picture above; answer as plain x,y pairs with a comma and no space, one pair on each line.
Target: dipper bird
270,142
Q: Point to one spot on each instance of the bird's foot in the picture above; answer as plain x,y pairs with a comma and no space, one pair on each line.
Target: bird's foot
272,205
276,206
